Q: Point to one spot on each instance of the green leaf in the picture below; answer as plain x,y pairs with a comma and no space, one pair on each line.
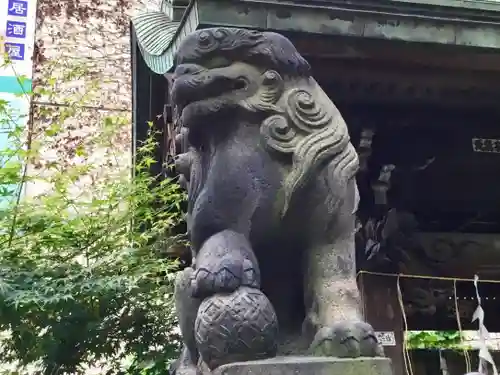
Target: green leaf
80,281
80,150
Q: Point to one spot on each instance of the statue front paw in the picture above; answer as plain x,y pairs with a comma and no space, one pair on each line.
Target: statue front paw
347,339
223,276
224,263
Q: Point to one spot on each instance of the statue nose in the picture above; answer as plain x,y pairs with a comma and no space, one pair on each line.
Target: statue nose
183,69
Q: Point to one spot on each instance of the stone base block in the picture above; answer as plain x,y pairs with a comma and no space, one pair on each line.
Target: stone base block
309,366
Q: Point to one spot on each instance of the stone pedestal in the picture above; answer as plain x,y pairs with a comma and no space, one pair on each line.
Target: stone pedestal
309,366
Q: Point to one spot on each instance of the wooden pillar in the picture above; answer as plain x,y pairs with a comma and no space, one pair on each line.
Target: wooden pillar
382,310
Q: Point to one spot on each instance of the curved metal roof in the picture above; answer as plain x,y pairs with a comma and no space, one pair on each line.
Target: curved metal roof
155,32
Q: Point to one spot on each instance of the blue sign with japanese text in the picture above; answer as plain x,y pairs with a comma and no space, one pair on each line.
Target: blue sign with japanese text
15,51
16,29
18,8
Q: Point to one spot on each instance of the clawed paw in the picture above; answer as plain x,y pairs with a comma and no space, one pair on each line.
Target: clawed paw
347,339
223,264
224,276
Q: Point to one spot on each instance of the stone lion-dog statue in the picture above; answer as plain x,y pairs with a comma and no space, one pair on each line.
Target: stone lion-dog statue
270,173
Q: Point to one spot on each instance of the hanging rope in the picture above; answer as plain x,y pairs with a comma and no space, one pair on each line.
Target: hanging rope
468,367
484,354
423,277
406,352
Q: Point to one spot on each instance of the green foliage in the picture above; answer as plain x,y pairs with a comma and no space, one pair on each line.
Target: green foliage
82,279
434,340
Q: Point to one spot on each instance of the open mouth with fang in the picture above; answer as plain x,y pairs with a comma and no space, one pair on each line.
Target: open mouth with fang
205,88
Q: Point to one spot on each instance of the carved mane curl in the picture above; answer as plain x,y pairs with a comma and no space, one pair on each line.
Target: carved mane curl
266,49
301,122
315,134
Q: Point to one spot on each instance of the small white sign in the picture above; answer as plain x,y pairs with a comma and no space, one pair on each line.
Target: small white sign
386,338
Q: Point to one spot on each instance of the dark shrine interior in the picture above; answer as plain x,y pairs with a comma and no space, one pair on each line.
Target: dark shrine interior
438,176
425,106
425,111
427,131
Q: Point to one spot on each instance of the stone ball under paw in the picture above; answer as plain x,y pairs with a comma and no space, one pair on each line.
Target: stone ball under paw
239,326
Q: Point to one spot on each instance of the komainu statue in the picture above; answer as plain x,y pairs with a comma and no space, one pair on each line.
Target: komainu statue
270,173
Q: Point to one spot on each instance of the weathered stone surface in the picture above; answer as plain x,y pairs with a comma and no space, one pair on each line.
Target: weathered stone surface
270,174
309,366
232,327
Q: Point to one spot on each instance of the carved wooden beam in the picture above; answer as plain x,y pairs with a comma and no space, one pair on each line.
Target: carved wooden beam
371,82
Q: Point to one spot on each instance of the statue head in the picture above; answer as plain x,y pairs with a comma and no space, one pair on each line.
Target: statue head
225,70
226,77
